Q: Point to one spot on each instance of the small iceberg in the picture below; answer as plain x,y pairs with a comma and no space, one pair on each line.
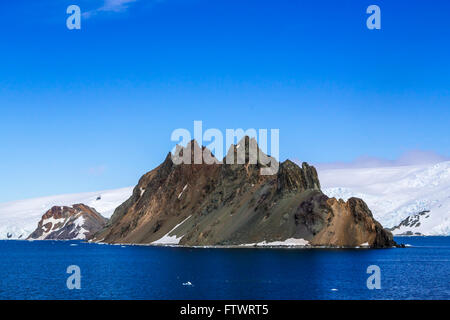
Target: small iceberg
187,283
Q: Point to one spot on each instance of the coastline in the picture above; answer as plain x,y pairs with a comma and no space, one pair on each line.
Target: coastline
242,246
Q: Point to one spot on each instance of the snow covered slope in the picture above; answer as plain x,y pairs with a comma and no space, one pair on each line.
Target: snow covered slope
19,218
396,193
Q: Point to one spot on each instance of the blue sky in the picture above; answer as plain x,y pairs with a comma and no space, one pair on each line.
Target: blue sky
92,109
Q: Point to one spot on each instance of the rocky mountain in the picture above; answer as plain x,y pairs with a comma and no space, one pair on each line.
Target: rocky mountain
223,204
410,225
78,222
18,219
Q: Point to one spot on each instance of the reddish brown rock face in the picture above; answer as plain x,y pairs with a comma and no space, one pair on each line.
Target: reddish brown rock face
232,204
351,224
68,223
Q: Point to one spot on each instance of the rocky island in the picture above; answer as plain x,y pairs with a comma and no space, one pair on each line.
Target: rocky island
234,205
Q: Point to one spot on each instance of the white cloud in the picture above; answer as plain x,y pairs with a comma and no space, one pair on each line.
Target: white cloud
412,157
97,171
115,5
110,6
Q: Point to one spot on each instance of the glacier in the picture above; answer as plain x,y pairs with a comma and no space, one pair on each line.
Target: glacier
395,193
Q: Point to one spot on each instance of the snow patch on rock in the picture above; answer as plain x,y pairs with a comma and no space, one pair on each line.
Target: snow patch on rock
184,188
291,242
167,239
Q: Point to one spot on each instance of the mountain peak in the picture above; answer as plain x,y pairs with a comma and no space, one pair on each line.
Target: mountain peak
193,154
233,204
292,177
78,221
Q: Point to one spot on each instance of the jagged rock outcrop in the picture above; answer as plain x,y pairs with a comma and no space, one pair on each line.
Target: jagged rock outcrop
407,226
79,222
233,204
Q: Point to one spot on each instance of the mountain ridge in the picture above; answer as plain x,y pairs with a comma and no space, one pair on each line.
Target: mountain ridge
221,204
76,222
19,218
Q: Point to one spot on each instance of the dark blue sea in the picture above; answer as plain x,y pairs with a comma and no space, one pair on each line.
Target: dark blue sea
37,270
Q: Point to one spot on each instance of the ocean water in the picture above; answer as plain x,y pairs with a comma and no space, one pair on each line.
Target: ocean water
37,270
